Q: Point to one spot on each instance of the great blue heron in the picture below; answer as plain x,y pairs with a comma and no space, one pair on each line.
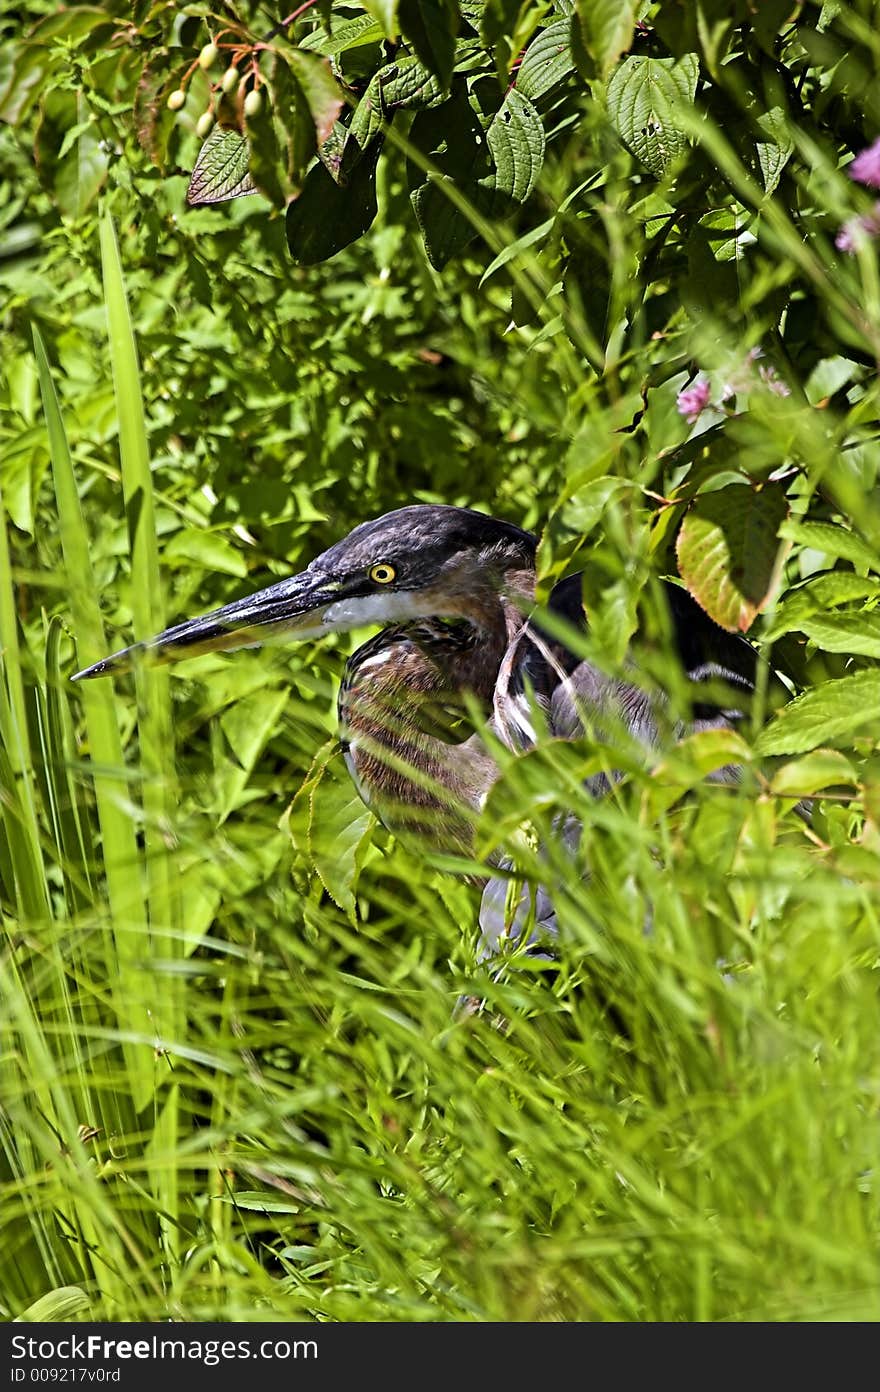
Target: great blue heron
453,588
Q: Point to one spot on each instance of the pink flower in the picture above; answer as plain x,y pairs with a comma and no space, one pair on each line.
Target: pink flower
773,382
858,229
865,168
694,400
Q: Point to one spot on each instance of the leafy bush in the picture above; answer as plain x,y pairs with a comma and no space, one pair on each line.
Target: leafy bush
608,270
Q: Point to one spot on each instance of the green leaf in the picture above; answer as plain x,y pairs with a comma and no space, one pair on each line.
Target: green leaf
205,549
255,1201
607,28
328,215
339,826
56,1306
833,541
777,148
353,33
221,170
547,62
643,97
845,633
727,551
830,714
817,596
516,140
385,14
431,27
71,156
319,87
824,768
492,158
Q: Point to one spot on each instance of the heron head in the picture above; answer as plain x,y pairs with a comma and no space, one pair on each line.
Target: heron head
419,561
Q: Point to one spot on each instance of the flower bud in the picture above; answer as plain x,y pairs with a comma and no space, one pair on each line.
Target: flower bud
230,79
204,124
253,103
176,100
208,56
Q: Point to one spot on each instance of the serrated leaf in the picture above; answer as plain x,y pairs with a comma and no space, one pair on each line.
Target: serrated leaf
817,596
727,551
777,148
607,29
339,825
547,62
431,27
833,541
221,170
492,158
319,87
385,14
824,768
353,33
516,141
830,714
643,97
858,634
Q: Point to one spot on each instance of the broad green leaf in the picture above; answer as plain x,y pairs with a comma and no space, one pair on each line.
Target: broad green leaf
845,633
319,87
516,140
817,596
385,14
643,97
221,170
247,725
206,549
833,540
777,148
71,156
352,33
832,713
728,231
691,762
339,825
728,551
56,1306
607,28
255,1201
824,768
328,215
492,157
431,27
547,62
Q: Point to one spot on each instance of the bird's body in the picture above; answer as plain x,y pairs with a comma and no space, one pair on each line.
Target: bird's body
452,588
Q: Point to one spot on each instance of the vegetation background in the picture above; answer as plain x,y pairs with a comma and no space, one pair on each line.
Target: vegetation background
602,268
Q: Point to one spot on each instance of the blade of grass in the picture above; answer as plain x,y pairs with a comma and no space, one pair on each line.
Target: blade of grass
124,949
154,709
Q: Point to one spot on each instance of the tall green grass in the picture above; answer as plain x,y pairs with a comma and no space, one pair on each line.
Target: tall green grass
224,1097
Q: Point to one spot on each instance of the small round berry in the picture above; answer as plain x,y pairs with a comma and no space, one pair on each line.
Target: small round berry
253,103
176,100
204,124
230,79
208,56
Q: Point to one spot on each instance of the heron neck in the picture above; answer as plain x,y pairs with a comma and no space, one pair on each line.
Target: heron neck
405,726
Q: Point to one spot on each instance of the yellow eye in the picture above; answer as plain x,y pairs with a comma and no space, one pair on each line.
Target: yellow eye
383,574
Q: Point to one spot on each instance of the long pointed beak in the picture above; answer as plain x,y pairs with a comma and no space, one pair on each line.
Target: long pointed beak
293,607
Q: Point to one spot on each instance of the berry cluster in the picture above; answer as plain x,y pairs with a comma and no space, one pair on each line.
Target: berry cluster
245,85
